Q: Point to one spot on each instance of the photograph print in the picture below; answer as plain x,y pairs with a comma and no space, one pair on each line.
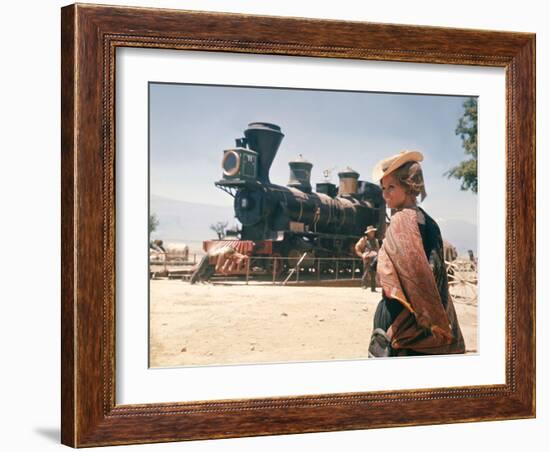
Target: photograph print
296,225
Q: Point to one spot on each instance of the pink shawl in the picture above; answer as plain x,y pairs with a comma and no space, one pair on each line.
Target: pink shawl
406,276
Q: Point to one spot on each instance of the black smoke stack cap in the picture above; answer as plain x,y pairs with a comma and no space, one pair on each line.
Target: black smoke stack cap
265,139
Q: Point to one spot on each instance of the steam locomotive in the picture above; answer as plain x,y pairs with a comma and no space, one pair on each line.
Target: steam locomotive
293,221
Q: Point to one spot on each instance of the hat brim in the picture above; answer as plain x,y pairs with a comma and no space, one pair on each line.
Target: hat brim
389,165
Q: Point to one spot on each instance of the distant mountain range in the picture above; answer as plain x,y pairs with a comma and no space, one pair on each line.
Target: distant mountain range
182,221
461,234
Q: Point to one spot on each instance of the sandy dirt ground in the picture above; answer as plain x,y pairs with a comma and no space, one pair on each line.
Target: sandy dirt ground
216,324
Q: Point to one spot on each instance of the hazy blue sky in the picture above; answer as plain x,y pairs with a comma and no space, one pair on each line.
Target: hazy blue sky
191,125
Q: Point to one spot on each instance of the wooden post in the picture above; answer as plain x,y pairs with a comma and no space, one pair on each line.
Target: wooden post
296,267
247,270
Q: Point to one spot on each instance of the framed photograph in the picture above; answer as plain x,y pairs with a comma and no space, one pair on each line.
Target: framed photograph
281,225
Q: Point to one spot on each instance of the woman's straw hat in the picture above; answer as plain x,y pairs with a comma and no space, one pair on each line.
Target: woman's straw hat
390,164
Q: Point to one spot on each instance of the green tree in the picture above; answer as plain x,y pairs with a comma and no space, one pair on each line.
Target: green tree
466,171
153,223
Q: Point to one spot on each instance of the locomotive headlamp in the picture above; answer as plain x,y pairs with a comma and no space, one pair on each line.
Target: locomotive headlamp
231,163
240,165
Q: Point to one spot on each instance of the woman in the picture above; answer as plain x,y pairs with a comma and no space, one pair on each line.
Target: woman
416,315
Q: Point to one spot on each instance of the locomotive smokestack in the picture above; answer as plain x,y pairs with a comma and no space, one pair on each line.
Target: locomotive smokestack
348,182
265,139
300,173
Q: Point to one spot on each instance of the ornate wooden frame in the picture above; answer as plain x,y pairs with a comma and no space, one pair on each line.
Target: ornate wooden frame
90,35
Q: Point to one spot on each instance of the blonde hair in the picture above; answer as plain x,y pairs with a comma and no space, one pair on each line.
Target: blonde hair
411,178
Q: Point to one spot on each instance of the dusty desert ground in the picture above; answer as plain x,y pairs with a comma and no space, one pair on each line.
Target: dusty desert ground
238,324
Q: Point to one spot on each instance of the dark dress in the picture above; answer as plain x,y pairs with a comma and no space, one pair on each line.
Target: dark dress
388,308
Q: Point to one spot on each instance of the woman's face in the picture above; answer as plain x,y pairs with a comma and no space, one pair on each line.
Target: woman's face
394,193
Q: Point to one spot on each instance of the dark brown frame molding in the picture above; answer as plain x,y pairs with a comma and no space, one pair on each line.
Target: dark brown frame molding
90,35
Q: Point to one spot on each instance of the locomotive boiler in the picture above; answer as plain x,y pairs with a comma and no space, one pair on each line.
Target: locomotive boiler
293,220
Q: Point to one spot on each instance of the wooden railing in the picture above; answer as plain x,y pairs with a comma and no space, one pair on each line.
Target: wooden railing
332,267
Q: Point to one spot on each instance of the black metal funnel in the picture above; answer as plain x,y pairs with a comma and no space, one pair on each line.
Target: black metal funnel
265,139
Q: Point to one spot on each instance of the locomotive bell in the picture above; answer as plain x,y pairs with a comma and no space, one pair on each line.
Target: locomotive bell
348,182
300,173
327,188
265,139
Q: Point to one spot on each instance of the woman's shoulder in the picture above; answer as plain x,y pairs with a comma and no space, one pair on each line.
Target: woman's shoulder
404,215
402,221
426,216
417,216
429,222
412,215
